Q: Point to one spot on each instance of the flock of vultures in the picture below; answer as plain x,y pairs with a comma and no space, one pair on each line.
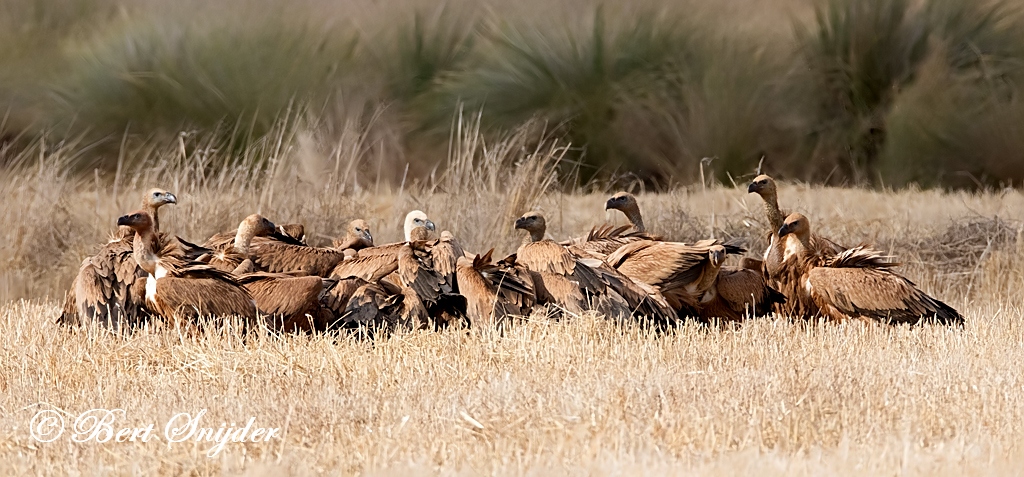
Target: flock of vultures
267,275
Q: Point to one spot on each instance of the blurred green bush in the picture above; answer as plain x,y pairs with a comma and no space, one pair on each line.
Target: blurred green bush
882,92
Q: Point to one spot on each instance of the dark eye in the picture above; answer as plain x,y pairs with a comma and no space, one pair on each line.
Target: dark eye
358,229
156,194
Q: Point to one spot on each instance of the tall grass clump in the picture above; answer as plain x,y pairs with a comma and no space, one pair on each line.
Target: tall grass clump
728,104
576,76
217,74
859,55
959,125
418,54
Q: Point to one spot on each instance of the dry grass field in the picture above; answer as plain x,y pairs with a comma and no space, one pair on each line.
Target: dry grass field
581,396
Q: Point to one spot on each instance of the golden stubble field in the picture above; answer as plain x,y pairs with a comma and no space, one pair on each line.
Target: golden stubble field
582,396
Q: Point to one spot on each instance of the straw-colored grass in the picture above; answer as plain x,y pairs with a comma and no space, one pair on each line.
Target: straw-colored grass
582,396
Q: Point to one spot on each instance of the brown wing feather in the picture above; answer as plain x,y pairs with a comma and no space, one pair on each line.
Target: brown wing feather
875,293
745,291
444,255
224,260
281,257
370,268
667,265
103,289
202,295
546,256
289,303
416,272
386,249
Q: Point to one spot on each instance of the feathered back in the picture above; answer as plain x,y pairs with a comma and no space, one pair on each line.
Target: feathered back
861,256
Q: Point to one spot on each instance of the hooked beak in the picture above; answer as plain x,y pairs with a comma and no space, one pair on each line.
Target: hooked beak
520,223
785,230
751,188
122,220
608,205
368,237
171,199
430,226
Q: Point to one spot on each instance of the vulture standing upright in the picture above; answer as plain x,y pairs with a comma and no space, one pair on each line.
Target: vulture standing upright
765,187
605,239
177,288
858,283
109,286
578,283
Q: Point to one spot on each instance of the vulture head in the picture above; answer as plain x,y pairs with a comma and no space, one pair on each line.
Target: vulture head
717,255
139,221
359,232
623,201
258,226
763,185
797,225
534,223
155,198
415,219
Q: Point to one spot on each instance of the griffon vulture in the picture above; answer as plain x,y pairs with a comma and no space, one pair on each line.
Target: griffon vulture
605,239
765,187
177,288
229,259
682,272
577,284
421,270
858,283
736,292
109,287
493,291
357,237
288,233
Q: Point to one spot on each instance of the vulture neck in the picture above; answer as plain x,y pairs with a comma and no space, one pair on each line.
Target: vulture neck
144,250
243,240
633,214
153,211
536,235
709,277
771,209
804,239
